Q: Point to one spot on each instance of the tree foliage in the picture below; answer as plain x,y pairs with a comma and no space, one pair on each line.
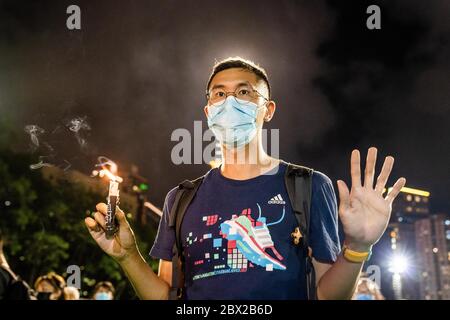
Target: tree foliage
44,226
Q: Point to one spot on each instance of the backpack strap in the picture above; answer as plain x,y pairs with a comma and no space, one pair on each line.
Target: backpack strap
298,181
183,198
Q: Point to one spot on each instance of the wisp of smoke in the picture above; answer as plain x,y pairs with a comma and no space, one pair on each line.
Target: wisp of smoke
68,165
40,164
76,125
51,156
106,162
34,131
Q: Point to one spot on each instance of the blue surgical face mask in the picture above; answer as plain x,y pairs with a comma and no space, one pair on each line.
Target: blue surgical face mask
233,123
364,296
102,296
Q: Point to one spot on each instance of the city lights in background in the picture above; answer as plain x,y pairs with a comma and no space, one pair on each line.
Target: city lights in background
153,208
412,191
417,192
394,235
398,264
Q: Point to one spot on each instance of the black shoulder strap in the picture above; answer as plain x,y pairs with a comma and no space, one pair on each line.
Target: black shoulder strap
298,181
183,197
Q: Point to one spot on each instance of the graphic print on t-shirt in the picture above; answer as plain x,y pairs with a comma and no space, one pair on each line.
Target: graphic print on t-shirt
253,238
243,243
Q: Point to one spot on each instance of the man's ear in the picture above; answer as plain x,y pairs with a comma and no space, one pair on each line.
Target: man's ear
270,110
205,110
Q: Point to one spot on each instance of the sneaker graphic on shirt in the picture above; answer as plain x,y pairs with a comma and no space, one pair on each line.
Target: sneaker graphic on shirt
252,239
277,200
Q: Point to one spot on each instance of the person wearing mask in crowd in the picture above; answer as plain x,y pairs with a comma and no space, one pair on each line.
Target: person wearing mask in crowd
367,289
103,290
50,287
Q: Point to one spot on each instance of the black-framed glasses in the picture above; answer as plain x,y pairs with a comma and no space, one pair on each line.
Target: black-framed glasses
243,94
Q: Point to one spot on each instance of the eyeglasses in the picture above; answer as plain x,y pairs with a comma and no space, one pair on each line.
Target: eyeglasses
243,95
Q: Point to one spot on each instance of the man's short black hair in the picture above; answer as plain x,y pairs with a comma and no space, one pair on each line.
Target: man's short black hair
238,62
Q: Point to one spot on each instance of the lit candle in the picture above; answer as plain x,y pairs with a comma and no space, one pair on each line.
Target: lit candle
111,226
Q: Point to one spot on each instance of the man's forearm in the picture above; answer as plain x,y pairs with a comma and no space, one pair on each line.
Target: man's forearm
339,282
146,283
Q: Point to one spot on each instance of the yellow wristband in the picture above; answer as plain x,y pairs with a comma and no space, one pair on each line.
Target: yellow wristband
355,256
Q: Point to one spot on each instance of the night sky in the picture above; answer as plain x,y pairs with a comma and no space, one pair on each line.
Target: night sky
137,71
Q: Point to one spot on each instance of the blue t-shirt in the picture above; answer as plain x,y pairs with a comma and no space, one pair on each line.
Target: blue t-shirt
236,237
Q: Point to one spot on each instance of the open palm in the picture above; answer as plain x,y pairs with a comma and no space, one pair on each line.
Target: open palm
363,210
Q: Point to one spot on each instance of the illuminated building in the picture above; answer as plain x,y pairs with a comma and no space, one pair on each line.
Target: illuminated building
410,205
425,260
441,228
424,239
432,250
400,243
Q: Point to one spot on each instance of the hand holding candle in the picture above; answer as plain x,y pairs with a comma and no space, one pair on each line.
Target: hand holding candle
109,169
113,201
108,225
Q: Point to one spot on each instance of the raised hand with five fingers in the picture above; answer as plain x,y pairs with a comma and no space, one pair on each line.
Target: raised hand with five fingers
363,209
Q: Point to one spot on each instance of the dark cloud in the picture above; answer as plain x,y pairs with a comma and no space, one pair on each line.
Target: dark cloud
137,71
388,88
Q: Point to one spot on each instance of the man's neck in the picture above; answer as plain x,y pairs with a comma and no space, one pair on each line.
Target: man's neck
247,162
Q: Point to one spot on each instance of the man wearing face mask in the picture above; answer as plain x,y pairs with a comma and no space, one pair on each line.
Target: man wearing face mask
367,289
239,235
50,287
103,290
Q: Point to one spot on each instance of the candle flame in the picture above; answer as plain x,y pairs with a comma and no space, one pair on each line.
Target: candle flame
109,169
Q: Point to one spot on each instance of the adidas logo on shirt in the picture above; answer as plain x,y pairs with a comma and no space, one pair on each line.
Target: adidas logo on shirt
276,200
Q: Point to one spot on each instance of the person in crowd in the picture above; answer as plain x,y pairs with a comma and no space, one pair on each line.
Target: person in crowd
367,289
71,293
50,287
5,276
103,290
12,287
